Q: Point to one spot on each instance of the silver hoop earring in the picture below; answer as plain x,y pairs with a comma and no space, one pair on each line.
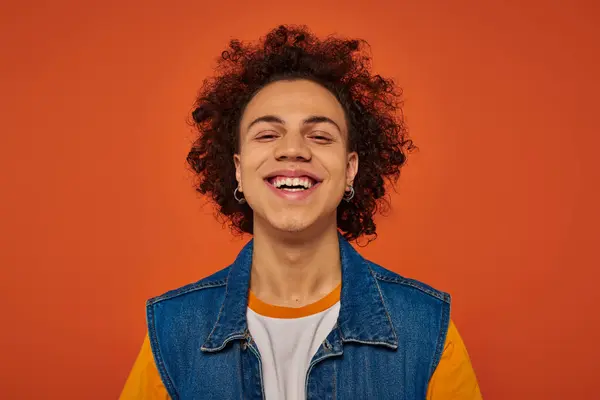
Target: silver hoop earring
349,194
235,196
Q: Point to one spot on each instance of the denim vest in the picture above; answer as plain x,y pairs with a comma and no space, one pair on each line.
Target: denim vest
387,342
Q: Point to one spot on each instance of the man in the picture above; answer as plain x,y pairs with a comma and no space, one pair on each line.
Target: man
296,139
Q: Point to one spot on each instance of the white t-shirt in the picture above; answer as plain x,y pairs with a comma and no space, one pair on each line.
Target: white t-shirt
287,339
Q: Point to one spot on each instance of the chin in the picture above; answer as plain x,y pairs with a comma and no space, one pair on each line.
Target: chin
299,225
291,224
290,220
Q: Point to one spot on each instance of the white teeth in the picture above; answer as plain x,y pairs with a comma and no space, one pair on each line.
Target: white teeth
281,181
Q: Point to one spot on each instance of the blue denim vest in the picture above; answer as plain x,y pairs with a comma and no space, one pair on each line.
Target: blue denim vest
388,339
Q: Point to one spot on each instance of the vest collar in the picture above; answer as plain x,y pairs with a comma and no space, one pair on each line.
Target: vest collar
363,316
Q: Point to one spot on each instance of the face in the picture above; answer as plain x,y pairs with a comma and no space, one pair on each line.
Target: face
293,166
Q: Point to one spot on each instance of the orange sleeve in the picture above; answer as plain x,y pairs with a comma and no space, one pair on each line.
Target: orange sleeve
454,378
144,381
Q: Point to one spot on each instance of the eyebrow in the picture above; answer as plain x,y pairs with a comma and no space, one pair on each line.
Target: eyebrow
314,119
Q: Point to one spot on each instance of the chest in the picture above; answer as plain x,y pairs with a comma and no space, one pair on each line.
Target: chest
286,347
358,371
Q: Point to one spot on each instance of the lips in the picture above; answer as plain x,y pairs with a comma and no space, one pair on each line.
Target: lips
293,195
296,173
293,190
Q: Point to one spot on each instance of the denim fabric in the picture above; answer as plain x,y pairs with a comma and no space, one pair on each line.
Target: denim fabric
387,342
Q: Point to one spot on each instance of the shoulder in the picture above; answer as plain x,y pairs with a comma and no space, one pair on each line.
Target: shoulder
395,284
196,304
180,320
217,280
419,312
193,307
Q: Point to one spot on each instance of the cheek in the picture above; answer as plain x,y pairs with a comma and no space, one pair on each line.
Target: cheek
250,161
336,164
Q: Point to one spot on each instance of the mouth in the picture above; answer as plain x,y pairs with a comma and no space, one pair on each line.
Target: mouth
292,184
293,188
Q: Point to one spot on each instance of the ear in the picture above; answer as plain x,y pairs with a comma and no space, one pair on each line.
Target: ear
238,170
351,168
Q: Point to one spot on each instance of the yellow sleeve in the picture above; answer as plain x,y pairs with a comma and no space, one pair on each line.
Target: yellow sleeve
144,381
454,378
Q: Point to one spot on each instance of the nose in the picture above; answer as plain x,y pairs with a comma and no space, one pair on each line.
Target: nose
292,147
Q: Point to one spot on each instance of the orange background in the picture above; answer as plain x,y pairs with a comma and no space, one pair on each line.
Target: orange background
499,207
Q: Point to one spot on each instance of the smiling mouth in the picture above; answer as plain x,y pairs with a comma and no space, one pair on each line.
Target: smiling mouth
295,184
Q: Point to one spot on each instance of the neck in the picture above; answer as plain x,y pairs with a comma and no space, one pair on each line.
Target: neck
297,269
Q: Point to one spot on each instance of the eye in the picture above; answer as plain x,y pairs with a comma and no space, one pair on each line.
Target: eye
321,137
266,135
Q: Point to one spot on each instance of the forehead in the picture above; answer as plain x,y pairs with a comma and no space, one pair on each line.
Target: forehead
294,100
